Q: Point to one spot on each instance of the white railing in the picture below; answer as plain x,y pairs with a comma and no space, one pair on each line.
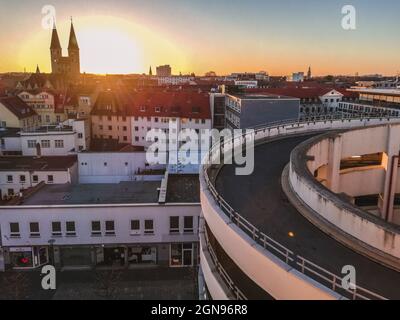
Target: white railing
306,267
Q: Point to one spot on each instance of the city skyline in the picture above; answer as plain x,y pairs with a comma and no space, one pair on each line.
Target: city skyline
197,37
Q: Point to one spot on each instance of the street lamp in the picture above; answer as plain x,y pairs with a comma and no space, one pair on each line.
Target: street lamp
51,255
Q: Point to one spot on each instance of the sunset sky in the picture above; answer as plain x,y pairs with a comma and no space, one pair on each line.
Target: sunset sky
127,36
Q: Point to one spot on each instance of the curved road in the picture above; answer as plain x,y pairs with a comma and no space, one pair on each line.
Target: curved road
259,198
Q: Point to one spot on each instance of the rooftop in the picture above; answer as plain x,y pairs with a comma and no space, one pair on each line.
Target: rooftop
18,107
249,96
130,192
22,163
183,188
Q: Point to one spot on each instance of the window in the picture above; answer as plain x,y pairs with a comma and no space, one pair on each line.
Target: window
59,143
155,119
80,135
100,127
56,229
124,128
96,228
110,128
22,179
157,109
34,229
45,143
136,129
181,255
10,192
148,227
70,227
31,144
35,179
125,138
124,119
47,118
14,230
109,118
173,225
135,227
10,179
188,225
110,228
50,179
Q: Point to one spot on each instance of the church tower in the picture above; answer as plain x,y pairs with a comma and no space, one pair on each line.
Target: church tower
55,51
73,52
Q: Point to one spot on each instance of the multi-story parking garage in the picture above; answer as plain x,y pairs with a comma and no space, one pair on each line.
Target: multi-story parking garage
289,231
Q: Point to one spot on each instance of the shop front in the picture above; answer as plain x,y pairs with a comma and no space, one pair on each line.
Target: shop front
182,255
142,255
76,257
28,257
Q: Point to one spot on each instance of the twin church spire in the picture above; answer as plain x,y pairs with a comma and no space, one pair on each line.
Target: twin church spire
69,64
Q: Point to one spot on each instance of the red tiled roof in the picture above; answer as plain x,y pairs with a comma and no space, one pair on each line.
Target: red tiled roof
184,104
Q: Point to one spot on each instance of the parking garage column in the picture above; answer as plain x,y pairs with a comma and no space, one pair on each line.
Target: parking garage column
391,163
334,159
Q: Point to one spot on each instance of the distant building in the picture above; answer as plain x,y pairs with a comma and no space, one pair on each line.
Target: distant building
250,110
248,84
15,113
372,102
164,71
309,74
297,77
23,173
69,65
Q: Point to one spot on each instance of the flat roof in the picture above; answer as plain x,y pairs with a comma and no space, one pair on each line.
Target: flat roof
122,193
183,188
24,163
262,97
389,92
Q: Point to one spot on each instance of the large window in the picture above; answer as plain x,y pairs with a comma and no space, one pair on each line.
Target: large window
135,227
188,225
14,230
181,255
110,228
96,228
31,144
56,229
174,225
59,143
34,229
45,143
149,227
70,227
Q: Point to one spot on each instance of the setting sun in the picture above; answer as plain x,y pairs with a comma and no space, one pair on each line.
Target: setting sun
107,45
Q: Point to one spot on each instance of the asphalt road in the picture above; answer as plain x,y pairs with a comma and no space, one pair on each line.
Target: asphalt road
260,199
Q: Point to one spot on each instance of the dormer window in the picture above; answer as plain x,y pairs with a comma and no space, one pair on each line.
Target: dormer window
142,109
158,109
